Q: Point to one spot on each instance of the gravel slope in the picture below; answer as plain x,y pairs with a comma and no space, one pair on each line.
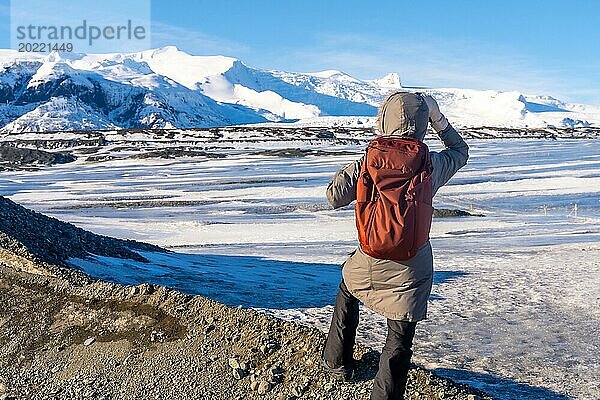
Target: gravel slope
66,336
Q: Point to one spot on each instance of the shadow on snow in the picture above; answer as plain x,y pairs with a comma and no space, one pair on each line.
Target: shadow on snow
248,281
500,387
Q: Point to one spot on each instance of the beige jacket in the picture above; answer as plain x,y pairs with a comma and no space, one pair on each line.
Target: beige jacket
396,290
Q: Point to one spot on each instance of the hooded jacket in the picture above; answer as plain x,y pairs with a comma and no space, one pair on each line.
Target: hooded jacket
397,290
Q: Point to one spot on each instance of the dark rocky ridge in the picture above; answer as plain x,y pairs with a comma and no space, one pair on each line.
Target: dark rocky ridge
293,153
331,132
39,238
452,213
175,152
16,157
258,133
19,150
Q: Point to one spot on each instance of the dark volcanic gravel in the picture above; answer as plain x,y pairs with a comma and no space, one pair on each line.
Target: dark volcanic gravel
44,239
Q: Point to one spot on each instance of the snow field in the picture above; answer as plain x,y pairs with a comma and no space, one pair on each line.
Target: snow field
515,304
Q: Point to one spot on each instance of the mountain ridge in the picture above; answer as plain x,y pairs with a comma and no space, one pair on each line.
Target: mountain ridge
169,88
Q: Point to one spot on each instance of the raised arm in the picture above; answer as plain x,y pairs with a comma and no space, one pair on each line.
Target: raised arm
342,188
448,161
456,153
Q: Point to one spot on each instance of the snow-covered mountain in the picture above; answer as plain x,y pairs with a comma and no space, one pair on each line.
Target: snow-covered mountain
167,87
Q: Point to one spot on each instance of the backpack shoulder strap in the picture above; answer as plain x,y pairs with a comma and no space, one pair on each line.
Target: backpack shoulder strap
428,165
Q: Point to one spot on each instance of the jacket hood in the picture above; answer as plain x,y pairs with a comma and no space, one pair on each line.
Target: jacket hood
403,114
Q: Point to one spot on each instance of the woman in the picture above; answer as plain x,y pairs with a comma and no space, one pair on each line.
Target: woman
398,290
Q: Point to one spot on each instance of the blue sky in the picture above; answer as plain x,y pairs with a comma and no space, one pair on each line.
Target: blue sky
538,47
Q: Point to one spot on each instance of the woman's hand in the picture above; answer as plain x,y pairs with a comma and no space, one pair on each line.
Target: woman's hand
436,118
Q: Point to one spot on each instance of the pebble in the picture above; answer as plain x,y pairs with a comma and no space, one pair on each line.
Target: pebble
89,341
298,391
264,387
238,374
234,363
146,288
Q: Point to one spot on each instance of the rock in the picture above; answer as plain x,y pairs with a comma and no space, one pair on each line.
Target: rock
126,360
473,397
276,375
244,366
254,385
269,348
3,388
448,213
147,288
264,387
234,363
298,391
238,374
89,341
326,135
277,370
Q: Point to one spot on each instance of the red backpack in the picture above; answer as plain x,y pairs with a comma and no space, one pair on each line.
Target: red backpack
393,198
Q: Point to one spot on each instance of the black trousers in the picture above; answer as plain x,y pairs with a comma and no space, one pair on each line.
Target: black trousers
390,381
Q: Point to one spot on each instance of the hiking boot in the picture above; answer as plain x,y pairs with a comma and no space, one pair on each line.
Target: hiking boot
342,373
